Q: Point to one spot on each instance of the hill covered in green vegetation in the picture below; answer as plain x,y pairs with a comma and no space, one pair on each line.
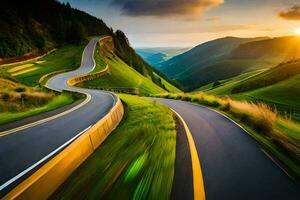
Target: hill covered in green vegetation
228,57
122,77
32,26
278,86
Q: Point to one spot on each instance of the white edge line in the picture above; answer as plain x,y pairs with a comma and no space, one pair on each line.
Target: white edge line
261,147
274,161
3,186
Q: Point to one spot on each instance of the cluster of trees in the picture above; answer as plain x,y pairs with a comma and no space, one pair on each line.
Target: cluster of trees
35,25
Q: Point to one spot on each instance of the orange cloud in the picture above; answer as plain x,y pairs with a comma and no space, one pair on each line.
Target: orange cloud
292,13
165,7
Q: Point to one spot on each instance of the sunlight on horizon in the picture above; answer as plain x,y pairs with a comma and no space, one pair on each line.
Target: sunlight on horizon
297,31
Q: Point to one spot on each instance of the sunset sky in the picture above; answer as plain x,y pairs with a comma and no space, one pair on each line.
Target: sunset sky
186,23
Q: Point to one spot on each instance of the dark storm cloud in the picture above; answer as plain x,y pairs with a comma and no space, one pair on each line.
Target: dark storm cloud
164,7
292,13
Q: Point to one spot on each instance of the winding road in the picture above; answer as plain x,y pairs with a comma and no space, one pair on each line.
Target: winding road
24,149
234,165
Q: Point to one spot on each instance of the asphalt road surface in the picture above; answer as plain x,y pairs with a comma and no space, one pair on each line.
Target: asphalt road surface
233,164
21,151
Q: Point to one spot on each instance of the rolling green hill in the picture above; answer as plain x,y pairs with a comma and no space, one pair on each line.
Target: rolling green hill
278,86
228,57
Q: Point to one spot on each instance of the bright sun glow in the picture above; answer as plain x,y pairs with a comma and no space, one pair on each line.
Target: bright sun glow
297,31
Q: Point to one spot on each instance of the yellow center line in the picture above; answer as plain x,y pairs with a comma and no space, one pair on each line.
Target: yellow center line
199,193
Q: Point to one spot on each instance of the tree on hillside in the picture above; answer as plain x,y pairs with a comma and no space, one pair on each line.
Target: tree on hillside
75,33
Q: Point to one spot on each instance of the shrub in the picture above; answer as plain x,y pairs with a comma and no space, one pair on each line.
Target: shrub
186,98
20,89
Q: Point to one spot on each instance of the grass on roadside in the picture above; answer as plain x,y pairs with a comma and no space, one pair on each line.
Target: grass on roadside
278,134
100,63
135,162
55,102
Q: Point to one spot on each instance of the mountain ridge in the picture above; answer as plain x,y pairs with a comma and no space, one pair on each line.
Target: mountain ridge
227,57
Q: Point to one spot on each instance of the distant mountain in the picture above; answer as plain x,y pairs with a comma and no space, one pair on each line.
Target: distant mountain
155,56
280,49
227,57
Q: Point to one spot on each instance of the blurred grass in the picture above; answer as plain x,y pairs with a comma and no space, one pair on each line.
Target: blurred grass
277,134
135,162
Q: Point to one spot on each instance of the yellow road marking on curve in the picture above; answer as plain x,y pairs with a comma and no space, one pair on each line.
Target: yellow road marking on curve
199,192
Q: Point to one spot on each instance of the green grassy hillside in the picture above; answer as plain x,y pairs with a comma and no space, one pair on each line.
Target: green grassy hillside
124,51
29,73
285,95
278,86
124,77
20,93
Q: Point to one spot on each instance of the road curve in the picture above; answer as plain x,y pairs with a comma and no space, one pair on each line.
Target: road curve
21,150
233,163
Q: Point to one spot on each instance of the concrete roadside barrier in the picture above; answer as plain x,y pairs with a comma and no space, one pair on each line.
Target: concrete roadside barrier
78,79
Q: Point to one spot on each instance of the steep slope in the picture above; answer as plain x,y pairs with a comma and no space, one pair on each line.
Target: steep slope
30,27
229,57
124,51
122,77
